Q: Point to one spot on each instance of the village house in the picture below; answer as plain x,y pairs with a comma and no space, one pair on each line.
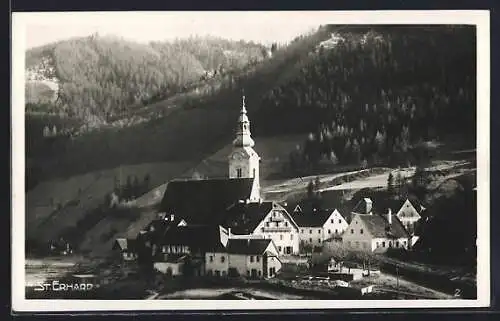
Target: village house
265,220
318,225
180,250
252,258
125,248
409,215
372,232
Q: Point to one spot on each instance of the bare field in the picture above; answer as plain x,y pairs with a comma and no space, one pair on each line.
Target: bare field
80,194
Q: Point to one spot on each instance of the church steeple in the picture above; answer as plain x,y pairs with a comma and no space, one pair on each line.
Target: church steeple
243,136
243,160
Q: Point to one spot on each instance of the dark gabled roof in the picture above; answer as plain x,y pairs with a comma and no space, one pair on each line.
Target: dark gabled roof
308,207
158,227
314,218
197,237
244,218
125,245
378,226
247,246
204,201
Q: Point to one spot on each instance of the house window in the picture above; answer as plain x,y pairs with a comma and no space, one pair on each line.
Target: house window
238,172
378,244
281,237
310,231
302,231
357,244
352,231
340,221
277,224
217,273
222,259
262,229
279,249
257,258
251,258
319,240
286,224
361,231
336,231
291,236
329,232
259,273
211,258
404,243
331,221
310,240
248,272
390,243
319,231
223,273
397,243
383,244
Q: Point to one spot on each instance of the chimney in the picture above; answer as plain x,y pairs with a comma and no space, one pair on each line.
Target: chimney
389,216
369,204
172,217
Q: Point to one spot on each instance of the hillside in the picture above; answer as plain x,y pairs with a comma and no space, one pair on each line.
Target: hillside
104,76
314,89
370,94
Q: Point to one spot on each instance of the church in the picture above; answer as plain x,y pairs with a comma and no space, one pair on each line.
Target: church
204,202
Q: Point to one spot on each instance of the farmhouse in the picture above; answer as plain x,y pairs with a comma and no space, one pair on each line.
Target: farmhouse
375,233
181,250
126,248
265,220
318,225
409,215
253,258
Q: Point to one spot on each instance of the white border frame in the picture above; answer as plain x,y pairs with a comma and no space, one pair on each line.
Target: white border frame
479,18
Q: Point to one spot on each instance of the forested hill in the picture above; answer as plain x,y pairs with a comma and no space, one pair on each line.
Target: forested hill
370,94
188,126
98,78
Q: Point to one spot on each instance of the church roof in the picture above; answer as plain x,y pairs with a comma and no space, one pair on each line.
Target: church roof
204,201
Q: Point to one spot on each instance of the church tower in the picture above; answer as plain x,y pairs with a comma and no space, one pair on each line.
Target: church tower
243,160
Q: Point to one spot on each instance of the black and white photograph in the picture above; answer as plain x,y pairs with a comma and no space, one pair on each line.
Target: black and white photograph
170,160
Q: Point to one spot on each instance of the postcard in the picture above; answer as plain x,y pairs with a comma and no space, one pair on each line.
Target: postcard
221,160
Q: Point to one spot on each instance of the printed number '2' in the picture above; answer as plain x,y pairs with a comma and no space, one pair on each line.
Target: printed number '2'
458,292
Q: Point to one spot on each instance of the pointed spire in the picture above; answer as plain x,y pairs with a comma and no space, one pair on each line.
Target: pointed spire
243,136
243,106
